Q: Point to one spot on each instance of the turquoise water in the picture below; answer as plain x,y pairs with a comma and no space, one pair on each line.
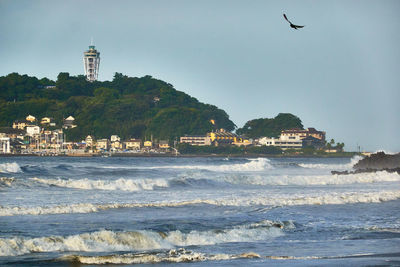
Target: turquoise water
198,211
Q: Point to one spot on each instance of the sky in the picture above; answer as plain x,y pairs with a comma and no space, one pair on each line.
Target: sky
339,74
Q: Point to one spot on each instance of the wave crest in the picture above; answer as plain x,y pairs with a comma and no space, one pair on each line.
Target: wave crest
173,255
259,164
12,167
106,240
272,201
375,177
347,166
120,184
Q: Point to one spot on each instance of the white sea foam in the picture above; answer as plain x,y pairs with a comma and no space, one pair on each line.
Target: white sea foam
273,200
12,167
120,184
106,241
346,166
323,199
373,177
259,164
173,255
183,255
58,209
6,181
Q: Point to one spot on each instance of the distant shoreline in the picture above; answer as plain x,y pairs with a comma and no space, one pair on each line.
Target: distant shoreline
169,155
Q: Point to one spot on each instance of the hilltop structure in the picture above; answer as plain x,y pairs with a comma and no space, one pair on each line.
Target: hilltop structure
91,62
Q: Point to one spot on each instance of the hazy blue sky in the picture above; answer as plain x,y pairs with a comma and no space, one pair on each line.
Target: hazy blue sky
339,74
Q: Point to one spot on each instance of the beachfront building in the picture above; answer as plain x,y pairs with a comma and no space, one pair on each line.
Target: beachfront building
163,144
196,140
293,134
115,142
222,136
242,141
91,63
285,143
148,144
296,139
89,141
216,138
103,144
5,146
32,130
115,138
133,144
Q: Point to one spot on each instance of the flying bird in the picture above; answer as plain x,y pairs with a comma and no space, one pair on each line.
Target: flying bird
291,24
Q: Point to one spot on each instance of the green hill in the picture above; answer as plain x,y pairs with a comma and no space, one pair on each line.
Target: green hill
126,106
270,127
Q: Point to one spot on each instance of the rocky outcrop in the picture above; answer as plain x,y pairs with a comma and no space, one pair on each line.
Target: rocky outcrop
379,161
376,162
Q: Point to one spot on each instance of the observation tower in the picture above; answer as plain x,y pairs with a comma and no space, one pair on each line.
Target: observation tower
91,63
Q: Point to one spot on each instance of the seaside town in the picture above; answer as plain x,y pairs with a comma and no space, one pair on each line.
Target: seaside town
43,137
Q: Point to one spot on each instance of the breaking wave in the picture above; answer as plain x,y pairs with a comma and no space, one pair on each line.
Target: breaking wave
120,184
374,177
347,166
272,201
107,241
173,255
183,255
258,164
10,168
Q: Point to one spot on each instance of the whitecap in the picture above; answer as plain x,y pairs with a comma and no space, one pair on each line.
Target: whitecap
373,177
256,200
172,256
119,184
346,166
107,240
12,167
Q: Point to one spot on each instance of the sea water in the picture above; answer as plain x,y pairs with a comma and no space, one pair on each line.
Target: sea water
60,211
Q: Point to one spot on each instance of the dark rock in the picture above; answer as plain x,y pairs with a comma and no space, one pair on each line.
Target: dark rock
379,161
376,162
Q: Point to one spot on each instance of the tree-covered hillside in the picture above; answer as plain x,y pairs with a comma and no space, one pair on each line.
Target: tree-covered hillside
270,127
126,106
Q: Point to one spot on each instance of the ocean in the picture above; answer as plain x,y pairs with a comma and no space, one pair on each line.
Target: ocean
197,211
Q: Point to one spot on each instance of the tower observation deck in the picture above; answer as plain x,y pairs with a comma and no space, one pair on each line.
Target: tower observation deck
91,63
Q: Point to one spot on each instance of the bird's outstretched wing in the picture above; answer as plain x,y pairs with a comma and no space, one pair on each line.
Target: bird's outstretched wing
284,15
291,24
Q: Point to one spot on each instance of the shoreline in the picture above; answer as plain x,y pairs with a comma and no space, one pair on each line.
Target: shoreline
169,155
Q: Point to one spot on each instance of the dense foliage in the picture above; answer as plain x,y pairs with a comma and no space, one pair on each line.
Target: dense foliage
126,106
270,127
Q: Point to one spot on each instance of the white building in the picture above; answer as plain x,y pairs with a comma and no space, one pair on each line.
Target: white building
32,130
5,145
115,138
196,140
91,62
282,142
